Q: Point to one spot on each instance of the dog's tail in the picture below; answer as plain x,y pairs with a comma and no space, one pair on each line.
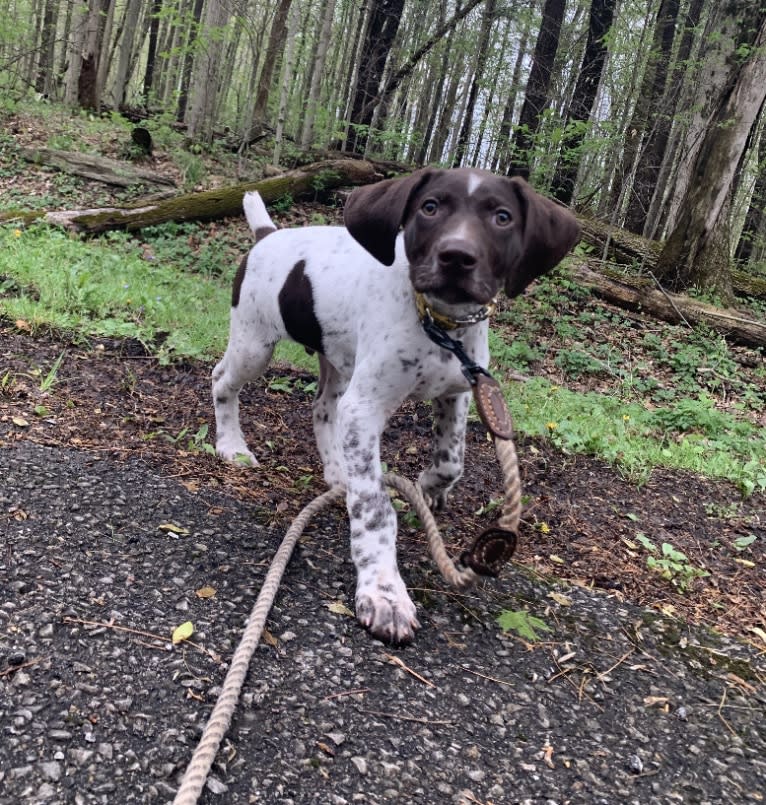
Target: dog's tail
257,217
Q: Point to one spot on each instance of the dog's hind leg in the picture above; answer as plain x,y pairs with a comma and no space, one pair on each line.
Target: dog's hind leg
244,360
331,388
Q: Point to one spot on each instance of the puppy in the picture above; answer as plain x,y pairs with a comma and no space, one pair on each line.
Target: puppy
357,296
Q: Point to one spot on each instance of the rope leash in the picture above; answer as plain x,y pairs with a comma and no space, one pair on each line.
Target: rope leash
220,719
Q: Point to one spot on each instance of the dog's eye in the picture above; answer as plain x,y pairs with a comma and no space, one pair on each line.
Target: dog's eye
503,218
430,206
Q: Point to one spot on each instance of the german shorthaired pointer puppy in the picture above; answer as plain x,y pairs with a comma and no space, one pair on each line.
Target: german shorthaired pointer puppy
357,296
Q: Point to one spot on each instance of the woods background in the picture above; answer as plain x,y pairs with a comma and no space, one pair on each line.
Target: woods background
645,113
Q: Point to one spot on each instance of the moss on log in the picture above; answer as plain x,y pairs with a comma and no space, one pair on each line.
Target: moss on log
221,203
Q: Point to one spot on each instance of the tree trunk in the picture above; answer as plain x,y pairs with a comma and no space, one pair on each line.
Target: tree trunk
318,74
88,88
385,17
660,153
74,54
435,97
563,184
206,79
488,17
538,84
501,157
752,241
186,71
287,77
220,203
46,64
697,253
645,120
125,47
276,44
731,30
151,53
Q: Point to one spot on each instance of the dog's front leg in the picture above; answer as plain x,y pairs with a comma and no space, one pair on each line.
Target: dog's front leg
382,603
449,415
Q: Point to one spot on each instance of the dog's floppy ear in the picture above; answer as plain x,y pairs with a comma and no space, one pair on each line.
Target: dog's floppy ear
374,213
549,232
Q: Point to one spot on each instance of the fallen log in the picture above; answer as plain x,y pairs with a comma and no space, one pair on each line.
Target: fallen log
619,246
95,167
633,294
220,203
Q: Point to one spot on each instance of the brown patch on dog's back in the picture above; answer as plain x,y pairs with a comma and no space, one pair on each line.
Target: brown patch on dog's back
296,305
239,278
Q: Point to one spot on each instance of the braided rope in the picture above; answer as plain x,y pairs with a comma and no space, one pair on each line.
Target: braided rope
510,513
220,719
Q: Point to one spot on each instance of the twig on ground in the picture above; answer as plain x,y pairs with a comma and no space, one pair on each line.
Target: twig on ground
396,661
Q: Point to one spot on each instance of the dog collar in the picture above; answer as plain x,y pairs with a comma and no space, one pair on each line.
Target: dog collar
425,311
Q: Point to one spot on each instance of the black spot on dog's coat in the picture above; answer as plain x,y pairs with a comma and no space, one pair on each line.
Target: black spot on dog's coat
296,306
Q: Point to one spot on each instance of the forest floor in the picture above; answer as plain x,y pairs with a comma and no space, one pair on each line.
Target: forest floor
112,403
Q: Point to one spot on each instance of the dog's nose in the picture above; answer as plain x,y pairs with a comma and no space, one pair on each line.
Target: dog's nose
457,253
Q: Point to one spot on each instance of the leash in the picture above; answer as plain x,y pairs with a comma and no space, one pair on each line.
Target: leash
490,551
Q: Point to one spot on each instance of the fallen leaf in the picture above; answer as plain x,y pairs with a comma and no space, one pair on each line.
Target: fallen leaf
328,750
19,421
23,325
548,756
562,600
657,701
172,529
556,559
269,639
745,562
205,592
339,608
183,632
756,630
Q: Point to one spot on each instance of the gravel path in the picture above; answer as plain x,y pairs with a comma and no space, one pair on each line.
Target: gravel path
612,705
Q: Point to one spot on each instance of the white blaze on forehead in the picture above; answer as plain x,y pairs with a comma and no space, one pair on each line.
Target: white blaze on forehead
474,180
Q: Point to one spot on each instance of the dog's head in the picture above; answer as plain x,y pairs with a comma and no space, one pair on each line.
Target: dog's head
467,233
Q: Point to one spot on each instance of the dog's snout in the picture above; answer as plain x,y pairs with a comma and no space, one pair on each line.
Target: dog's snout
457,253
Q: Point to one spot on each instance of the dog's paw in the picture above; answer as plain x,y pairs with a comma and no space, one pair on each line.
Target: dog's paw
236,454
391,618
434,493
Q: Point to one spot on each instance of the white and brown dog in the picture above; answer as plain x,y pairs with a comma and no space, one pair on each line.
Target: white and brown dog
356,295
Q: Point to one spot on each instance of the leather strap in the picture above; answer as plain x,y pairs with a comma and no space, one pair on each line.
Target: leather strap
490,403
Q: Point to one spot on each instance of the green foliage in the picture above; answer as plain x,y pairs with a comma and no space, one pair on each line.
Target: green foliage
525,625
670,563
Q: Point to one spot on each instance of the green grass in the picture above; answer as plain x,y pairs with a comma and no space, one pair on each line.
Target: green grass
106,288
690,435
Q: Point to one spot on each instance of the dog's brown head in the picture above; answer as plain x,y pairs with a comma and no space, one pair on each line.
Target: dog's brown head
467,233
